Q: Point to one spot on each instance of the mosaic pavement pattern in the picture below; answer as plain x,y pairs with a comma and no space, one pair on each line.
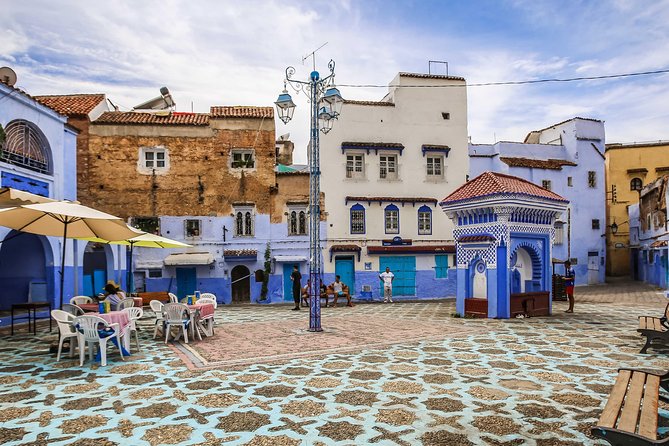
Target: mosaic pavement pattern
538,381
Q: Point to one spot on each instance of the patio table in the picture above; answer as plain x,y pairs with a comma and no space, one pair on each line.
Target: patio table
123,320
198,314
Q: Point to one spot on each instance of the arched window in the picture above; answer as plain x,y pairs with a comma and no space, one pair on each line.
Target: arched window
239,224
248,223
392,219
297,223
302,223
424,220
357,219
292,223
636,184
26,146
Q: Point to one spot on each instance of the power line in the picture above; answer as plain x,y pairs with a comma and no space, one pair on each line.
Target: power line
534,81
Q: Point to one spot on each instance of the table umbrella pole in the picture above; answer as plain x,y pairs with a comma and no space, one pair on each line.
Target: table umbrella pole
131,279
62,266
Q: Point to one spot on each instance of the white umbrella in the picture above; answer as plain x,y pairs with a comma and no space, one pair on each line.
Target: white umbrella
66,219
144,240
10,197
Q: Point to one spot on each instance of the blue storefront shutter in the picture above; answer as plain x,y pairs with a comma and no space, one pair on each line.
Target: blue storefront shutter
441,268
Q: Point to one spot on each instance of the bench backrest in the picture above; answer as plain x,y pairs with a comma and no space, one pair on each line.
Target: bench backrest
666,313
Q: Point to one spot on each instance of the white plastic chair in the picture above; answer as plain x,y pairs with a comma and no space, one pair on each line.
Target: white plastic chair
134,314
173,298
78,300
125,303
210,296
157,307
66,330
73,309
88,335
176,315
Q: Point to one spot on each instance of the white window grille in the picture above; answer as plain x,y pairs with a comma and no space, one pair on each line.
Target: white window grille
26,146
388,167
297,222
424,222
355,166
153,159
392,218
192,228
357,221
242,159
559,233
435,166
244,223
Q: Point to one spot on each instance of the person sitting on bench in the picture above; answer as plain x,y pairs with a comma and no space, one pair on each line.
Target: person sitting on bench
340,289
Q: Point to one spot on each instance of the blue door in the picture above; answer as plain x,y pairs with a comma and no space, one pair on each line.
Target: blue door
287,283
186,282
345,269
404,269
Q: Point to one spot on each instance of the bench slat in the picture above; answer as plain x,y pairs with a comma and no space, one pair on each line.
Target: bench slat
643,323
648,419
613,405
657,326
630,413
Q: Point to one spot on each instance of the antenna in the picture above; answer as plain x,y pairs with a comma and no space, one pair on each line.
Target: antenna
313,55
8,76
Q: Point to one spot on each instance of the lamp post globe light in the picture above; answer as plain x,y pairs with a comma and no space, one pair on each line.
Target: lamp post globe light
326,103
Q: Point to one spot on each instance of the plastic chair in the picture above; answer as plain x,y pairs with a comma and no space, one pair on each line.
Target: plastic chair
209,296
173,298
78,300
89,334
157,307
125,303
134,314
73,309
66,330
176,315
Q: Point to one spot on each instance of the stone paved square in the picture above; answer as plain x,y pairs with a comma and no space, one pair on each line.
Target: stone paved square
401,374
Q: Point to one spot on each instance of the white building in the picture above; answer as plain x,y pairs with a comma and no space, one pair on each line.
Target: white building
385,165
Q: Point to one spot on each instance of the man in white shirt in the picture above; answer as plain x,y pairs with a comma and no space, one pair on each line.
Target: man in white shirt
387,278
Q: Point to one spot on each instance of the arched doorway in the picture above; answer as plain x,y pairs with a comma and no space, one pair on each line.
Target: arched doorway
525,271
96,268
241,284
22,263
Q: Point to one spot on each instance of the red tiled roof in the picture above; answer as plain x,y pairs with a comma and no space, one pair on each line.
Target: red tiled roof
375,103
135,118
411,249
390,145
554,164
476,238
72,104
432,76
345,248
238,111
393,199
240,253
658,244
491,183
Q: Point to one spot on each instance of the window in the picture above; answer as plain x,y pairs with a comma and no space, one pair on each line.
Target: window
297,222
357,219
546,184
595,224
636,184
388,167
424,220
570,182
147,224
192,228
441,266
592,178
242,159
445,115
559,233
355,166
435,166
392,219
26,146
244,223
154,159
155,273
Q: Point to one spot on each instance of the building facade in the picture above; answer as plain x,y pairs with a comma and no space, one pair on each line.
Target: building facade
568,159
39,155
629,168
384,166
649,234
207,179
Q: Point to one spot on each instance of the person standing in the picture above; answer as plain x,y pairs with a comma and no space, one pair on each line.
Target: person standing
296,277
569,277
387,278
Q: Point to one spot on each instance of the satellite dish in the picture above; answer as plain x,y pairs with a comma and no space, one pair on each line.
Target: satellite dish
8,76
162,102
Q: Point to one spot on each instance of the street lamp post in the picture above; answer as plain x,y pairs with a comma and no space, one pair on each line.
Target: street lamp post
326,103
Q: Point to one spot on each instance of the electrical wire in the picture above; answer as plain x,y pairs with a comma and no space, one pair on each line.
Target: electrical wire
533,81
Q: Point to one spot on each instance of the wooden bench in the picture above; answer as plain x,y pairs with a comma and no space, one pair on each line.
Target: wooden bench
326,292
162,296
630,416
654,328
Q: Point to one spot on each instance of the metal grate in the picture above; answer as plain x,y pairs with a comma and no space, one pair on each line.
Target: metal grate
26,146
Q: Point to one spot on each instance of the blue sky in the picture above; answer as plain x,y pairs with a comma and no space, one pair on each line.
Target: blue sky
229,53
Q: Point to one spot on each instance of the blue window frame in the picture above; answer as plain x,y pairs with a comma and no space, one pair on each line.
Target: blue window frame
441,268
424,220
357,219
392,219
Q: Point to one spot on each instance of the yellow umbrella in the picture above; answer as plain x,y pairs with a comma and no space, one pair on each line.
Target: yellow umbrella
66,219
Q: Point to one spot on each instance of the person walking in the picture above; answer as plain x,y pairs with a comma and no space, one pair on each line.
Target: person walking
296,277
387,278
569,277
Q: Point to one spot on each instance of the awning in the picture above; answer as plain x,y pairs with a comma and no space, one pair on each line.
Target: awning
426,249
289,259
191,258
345,248
240,255
149,264
658,244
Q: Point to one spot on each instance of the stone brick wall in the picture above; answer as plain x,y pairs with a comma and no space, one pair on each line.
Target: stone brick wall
290,188
199,180
82,123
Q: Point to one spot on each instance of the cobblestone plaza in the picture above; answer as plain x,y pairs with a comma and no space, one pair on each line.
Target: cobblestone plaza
393,374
